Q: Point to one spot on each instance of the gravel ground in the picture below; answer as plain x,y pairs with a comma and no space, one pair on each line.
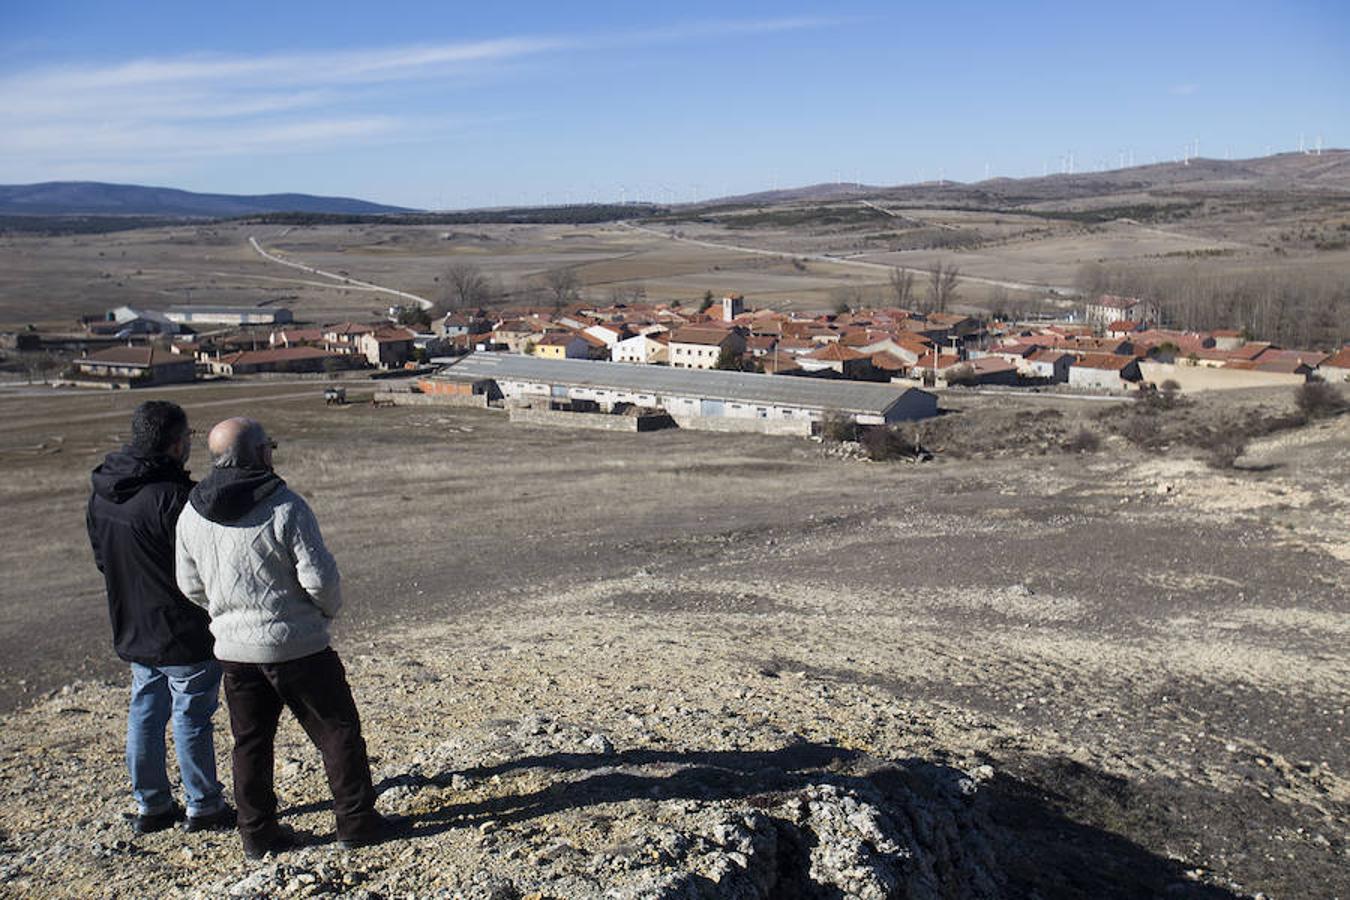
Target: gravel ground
683,665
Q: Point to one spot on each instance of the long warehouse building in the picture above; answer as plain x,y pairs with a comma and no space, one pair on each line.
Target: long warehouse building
693,397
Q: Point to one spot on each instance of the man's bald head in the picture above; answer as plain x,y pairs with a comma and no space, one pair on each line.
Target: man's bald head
237,443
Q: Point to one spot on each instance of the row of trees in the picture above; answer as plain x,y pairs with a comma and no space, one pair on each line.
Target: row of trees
465,286
1295,308
937,290
941,282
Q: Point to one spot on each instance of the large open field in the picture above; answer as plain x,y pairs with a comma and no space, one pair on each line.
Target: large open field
53,280
1015,242
1138,660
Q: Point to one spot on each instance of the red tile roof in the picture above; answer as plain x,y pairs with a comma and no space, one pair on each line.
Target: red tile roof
700,334
836,353
1046,355
1251,349
348,328
393,335
888,362
299,335
557,339
280,354
991,365
1111,362
944,360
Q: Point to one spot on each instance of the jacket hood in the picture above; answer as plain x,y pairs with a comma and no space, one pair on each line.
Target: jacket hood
124,472
227,495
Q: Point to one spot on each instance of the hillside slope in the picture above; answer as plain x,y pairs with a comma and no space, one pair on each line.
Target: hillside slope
1328,172
60,198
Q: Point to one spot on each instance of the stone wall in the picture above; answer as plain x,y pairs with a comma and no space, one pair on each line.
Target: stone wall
407,398
727,424
598,421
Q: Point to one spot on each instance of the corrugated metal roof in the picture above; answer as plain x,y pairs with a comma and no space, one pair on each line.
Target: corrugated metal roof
777,390
229,310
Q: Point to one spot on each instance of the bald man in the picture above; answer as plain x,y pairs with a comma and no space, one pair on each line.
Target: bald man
250,551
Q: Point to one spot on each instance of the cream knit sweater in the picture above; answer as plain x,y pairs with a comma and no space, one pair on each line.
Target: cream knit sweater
268,582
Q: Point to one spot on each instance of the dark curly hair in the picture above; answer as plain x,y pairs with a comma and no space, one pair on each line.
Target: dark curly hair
156,425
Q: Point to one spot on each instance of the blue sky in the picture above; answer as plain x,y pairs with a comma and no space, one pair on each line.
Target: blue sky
448,105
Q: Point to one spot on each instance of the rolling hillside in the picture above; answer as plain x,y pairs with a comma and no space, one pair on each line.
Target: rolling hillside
62,198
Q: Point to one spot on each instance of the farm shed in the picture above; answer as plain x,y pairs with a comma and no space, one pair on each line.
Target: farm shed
693,397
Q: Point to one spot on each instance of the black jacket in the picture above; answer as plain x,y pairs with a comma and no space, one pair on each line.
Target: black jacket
131,519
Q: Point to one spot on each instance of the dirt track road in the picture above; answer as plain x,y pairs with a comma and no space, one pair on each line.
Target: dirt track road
344,280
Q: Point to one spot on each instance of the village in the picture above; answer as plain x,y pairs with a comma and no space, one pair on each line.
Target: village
707,361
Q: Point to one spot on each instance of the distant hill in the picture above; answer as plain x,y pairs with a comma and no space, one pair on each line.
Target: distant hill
1328,172
833,190
93,198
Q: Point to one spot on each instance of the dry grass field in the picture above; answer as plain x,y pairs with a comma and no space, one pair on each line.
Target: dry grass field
50,281
1149,653
1016,241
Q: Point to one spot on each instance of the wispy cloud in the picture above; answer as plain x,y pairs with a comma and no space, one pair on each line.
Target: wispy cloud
200,106
1183,90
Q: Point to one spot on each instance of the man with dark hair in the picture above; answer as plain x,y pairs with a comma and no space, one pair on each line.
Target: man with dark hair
138,494
250,551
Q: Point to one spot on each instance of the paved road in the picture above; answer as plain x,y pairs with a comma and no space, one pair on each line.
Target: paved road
343,279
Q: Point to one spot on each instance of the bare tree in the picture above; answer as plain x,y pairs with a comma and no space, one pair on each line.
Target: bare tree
942,286
1301,308
466,286
902,287
848,298
563,286
999,306
627,294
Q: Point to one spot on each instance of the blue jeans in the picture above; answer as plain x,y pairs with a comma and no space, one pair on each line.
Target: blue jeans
190,694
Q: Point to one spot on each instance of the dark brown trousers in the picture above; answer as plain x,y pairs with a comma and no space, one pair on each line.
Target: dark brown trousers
315,690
